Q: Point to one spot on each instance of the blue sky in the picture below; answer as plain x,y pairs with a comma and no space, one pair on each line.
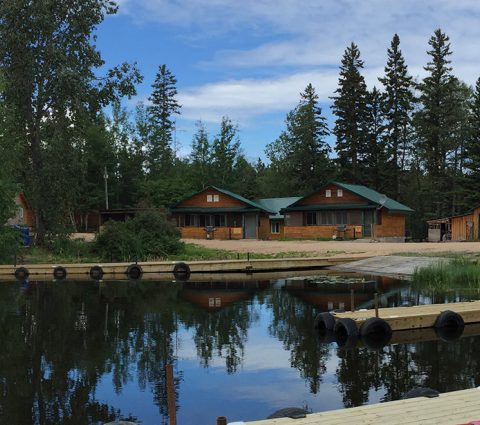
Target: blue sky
250,59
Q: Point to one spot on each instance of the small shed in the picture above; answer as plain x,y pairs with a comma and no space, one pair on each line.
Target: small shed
464,227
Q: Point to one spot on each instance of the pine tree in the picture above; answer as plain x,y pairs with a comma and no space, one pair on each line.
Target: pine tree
472,151
301,151
374,160
164,106
439,125
225,152
349,106
397,107
200,157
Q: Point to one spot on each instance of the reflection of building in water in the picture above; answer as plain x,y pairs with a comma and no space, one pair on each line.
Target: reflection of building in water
214,296
334,292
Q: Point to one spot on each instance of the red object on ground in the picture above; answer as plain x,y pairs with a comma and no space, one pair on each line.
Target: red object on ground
471,423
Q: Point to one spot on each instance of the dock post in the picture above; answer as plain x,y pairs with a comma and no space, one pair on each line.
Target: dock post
221,420
376,304
248,256
352,300
172,405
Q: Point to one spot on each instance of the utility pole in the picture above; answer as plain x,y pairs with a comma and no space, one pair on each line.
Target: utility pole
105,177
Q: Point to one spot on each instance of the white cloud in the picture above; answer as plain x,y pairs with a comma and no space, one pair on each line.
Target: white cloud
294,43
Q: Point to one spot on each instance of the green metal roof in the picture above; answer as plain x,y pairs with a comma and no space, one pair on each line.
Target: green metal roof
323,207
374,196
364,192
277,204
219,210
254,205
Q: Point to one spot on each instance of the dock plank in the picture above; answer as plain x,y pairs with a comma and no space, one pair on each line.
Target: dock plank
448,409
423,316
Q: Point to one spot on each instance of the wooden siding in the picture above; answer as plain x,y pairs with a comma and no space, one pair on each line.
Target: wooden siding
461,231
23,215
219,233
264,227
200,200
320,198
312,232
392,225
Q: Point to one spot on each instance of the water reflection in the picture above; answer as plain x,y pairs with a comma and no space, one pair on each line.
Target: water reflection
94,352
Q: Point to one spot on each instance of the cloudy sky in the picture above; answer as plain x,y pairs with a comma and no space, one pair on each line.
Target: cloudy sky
250,59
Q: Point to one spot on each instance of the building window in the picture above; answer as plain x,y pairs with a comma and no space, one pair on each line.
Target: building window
220,220
209,198
339,193
328,193
311,218
326,218
275,227
20,212
191,220
216,198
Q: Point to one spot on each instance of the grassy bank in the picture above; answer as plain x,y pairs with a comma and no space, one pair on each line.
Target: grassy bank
82,252
459,273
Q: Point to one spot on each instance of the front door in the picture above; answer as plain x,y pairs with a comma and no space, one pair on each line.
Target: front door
250,226
367,223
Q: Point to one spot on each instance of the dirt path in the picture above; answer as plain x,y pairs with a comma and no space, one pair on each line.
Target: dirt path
337,248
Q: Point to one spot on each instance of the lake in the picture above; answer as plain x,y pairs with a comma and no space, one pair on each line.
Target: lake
93,352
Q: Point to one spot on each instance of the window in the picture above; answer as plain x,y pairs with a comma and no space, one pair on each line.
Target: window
355,217
220,220
275,227
216,198
20,212
326,217
191,220
339,193
209,198
341,217
311,218
328,193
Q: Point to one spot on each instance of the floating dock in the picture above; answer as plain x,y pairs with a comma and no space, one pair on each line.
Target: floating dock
458,407
115,271
415,317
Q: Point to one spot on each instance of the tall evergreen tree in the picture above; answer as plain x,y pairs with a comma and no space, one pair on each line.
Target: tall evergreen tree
397,107
301,151
437,125
472,151
164,105
374,161
349,106
225,152
200,157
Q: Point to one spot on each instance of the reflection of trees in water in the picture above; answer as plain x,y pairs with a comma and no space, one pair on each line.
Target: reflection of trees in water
57,347
221,333
399,368
292,323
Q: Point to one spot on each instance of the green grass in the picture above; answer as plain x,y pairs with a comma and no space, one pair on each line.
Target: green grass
460,273
443,254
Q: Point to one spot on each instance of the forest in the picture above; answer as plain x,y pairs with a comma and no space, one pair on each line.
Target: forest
64,127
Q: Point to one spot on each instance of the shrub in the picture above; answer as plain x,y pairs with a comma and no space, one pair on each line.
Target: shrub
148,236
10,244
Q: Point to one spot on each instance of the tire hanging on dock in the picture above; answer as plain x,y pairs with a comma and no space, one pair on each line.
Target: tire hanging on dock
181,271
449,326
375,333
346,333
134,271
59,273
21,273
324,322
96,272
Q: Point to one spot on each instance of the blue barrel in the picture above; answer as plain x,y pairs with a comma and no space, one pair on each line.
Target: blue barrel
25,232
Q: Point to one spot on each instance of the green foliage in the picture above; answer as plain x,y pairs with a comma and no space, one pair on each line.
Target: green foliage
458,273
148,236
301,151
10,244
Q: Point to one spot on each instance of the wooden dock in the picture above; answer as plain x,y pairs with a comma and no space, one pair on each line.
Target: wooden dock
118,270
458,407
415,317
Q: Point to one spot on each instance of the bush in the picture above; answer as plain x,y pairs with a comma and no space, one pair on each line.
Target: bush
146,237
10,244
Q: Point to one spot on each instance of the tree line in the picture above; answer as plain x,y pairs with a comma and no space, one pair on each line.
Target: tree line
64,130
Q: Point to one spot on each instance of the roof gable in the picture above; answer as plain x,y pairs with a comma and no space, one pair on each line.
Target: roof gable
239,201
365,193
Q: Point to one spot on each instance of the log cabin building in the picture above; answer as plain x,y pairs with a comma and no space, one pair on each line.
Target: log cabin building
24,214
346,210
338,210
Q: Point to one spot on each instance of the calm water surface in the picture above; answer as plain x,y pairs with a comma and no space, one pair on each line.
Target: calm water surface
89,352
